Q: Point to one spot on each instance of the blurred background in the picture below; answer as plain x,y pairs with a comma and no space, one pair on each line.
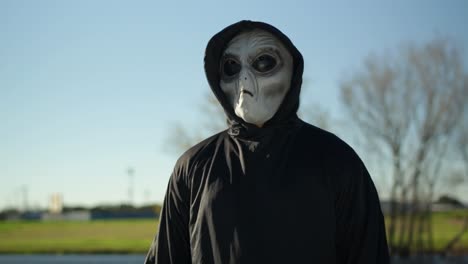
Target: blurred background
98,99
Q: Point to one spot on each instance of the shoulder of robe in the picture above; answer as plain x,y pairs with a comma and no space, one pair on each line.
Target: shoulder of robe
341,160
195,155
327,143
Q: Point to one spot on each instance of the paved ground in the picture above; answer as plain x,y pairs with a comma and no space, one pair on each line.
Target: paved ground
432,260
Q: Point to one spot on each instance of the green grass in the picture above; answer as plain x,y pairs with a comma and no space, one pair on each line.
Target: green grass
445,226
135,236
111,236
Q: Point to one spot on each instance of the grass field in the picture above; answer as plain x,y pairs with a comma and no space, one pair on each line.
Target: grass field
135,236
445,226
114,236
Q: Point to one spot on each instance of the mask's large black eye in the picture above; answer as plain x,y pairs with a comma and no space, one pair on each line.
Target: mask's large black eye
264,63
231,67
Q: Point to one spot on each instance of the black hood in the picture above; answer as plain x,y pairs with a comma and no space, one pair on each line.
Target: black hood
214,51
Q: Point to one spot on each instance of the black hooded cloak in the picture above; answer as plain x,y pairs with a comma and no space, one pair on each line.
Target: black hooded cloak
288,192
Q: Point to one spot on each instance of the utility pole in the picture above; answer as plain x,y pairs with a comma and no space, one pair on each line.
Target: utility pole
131,182
24,192
147,196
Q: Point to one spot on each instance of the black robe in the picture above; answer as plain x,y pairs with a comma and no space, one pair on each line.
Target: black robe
288,192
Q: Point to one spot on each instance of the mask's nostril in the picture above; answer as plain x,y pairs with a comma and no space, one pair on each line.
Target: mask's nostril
245,78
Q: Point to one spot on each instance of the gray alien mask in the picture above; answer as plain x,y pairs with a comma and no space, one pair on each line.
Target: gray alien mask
256,71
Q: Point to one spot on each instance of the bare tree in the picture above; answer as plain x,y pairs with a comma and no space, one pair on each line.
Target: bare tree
212,120
316,115
461,142
409,105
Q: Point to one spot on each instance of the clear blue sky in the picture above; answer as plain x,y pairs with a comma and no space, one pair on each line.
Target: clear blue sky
88,88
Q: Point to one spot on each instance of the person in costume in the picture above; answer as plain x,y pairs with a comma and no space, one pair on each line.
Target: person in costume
271,188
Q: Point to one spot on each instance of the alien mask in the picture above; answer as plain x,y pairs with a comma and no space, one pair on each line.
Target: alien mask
256,71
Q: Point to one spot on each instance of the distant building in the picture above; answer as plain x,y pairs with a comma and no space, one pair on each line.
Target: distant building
444,206
438,206
386,206
56,212
56,203
83,215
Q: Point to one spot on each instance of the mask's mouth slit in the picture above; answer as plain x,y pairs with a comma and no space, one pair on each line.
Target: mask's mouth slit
247,92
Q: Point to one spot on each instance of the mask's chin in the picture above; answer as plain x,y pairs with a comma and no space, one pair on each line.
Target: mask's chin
252,112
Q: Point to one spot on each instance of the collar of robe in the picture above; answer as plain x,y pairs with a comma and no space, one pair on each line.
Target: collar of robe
257,139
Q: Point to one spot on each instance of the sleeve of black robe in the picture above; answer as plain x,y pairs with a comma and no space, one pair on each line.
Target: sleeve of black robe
360,228
171,244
